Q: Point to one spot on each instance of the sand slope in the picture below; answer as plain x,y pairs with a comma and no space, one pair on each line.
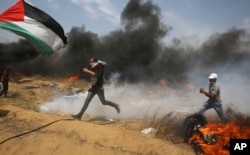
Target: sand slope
60,135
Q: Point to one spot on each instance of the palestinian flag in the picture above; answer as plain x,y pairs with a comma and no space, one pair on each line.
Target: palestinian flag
45,33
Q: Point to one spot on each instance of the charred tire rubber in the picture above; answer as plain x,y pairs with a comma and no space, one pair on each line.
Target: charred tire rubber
192,124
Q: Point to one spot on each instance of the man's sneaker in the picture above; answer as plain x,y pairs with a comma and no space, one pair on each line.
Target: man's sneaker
76,117
118,108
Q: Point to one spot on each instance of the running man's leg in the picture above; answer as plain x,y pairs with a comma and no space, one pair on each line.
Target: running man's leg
85,105
5,88
207,105
218,108
101,96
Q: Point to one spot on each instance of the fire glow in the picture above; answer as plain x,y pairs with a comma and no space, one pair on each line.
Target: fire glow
72,78
214,138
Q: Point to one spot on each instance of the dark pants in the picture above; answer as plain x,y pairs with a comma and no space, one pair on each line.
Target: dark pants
217,107
101,96
5,88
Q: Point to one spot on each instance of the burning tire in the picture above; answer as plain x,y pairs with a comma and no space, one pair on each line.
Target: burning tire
178,126
192,124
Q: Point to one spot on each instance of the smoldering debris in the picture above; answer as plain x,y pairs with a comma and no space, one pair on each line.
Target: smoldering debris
178,126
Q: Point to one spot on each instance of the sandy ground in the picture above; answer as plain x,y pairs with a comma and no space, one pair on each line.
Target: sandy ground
24,131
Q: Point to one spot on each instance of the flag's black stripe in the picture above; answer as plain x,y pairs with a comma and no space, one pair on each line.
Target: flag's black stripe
45,19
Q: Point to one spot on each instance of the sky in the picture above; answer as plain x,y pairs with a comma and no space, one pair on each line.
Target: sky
192,21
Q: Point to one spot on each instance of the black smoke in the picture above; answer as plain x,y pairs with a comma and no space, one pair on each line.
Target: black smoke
225,52
136,51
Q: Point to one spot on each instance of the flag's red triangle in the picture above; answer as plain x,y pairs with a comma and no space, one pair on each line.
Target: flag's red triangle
14,13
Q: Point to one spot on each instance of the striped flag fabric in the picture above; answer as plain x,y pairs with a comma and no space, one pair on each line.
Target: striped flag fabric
26,20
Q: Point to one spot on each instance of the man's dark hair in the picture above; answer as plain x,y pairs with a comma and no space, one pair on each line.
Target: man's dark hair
94,59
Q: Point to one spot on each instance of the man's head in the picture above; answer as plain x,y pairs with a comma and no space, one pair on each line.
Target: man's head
213,77
93,62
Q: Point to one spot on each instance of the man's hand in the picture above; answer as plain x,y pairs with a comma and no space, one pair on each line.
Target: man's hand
202,90
85,70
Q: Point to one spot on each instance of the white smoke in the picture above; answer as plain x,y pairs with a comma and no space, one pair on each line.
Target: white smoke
135,101
234,92
147,100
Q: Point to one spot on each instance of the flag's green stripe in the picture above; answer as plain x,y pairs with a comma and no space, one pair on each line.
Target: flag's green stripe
37,42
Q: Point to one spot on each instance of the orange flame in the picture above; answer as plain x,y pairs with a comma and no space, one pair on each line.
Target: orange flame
72,78
222,134
190,86
163,83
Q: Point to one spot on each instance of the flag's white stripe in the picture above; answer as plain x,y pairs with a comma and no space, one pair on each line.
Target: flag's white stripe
37,42
42,32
